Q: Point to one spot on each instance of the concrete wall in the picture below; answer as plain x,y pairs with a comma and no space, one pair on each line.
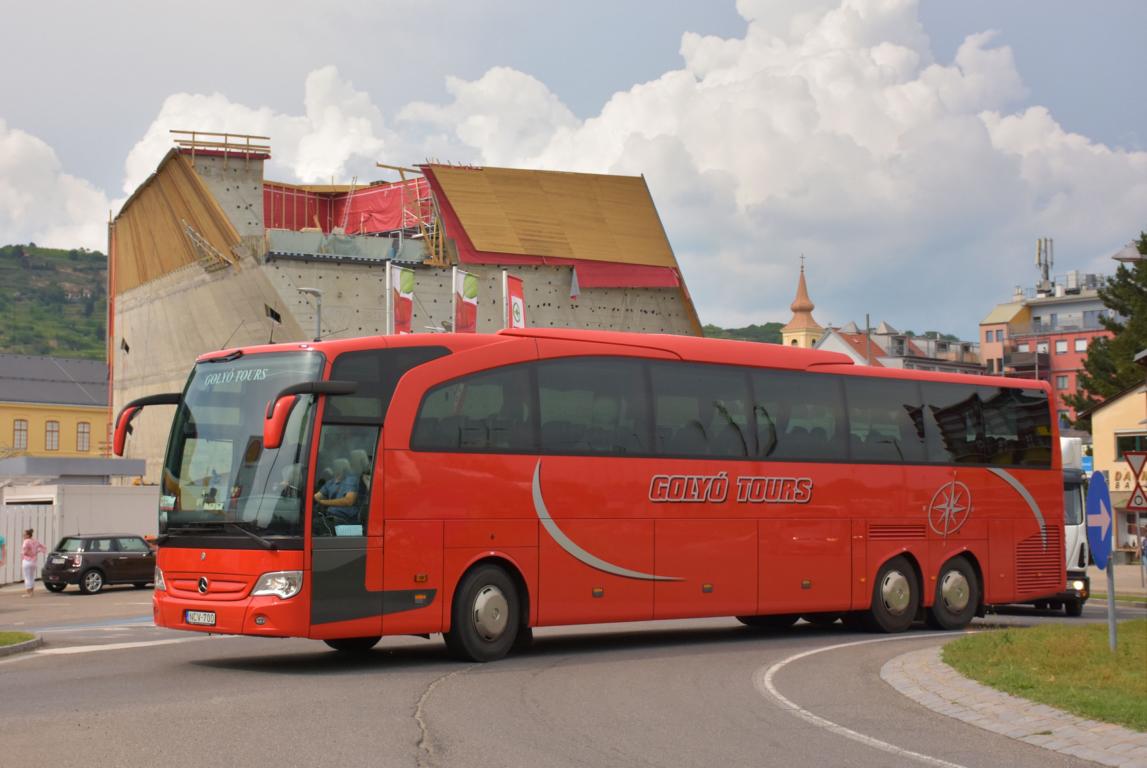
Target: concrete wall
58,511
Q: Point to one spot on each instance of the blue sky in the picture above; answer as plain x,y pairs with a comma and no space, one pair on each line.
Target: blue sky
912,151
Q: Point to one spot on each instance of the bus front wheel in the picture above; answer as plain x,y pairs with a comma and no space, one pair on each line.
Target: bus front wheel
894,598
957,596
485,615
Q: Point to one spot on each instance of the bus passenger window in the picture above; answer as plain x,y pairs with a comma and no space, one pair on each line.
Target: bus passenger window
701,410
491,411
885,420
593,405
799,416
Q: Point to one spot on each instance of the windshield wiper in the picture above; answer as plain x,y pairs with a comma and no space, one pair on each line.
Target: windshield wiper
265,543
207,525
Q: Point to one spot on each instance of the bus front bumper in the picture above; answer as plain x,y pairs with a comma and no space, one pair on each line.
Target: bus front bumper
263,616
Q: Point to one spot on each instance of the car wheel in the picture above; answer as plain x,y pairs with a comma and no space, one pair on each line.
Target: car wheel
774,621
1073,608
353,644
894,598
957,596
485,615
54,587
91,582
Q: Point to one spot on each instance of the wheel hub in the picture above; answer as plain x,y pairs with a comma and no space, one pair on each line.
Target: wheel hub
490,612
895,592
954,591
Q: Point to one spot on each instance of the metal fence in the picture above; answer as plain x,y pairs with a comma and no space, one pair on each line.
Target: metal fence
14,519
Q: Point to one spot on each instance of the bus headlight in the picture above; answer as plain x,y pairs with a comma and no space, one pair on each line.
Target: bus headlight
160,584
284,584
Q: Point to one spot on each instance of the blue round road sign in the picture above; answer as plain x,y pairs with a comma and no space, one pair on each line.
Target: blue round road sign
1099,520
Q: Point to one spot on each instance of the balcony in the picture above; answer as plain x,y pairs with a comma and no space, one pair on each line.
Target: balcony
1026,361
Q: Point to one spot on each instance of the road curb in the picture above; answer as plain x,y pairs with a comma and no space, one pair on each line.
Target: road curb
27,645
923,677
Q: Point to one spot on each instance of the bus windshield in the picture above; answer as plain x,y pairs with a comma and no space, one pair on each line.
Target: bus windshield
217,471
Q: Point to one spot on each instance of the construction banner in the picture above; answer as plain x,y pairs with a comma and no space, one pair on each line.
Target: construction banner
465,302
400,297
513,300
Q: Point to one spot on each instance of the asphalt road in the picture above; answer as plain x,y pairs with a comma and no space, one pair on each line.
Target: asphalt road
109,689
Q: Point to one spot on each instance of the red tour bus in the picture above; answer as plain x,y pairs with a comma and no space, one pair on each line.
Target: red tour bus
483,485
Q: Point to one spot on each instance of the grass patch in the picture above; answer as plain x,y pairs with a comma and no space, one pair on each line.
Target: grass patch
1132,599
11,638
1066,667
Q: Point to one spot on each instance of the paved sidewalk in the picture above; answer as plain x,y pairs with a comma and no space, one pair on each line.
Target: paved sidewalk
925,678
1129,580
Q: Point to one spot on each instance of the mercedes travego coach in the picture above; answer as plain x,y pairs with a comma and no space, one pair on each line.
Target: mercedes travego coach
483,485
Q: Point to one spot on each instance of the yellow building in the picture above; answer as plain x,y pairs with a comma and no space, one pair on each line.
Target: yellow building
802,331
1119,425
52,407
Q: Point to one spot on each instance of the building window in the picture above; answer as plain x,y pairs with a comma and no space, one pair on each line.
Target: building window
1081,345
1025,347
1124,443
52,436
1000,364
999,334
83,436
987,335
1061,382
20,434
1061,346
991,366
1041,347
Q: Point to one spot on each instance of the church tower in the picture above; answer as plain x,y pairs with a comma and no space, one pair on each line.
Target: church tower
802,331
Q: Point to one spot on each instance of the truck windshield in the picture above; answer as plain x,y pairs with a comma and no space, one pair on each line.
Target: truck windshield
1072,504
217,470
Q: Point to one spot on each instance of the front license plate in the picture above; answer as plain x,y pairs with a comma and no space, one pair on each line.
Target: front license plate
202,618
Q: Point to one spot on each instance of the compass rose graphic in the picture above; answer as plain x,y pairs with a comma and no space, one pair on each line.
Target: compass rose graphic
950,508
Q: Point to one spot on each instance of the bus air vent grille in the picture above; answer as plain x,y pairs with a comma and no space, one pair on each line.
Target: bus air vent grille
897,531
1039,567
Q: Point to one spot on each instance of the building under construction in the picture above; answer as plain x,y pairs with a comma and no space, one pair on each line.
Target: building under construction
208,254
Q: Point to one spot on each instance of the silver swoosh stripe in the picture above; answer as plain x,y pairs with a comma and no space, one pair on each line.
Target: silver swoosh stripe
573,549
1023,492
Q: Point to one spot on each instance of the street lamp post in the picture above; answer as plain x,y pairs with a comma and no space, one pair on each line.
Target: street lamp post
318,294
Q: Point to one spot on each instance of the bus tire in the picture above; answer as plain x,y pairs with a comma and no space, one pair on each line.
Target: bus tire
1073,608
895,598
774,621
957,596
353,644
485,617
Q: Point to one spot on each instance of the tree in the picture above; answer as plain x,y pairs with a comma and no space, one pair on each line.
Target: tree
1109,367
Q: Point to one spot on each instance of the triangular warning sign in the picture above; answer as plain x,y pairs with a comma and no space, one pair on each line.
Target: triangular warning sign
1136,459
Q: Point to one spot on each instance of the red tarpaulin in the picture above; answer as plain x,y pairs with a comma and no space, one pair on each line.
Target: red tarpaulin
378,208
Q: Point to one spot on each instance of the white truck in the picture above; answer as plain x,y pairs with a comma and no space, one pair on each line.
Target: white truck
1077,585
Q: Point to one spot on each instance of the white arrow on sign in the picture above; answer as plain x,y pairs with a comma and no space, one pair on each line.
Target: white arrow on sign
1100,520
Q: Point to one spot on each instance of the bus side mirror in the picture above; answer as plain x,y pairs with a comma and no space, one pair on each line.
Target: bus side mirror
275,421
279,409
131,410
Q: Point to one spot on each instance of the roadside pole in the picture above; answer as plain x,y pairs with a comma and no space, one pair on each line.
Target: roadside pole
1099,530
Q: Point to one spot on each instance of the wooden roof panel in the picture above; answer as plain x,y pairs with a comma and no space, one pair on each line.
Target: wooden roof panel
556,214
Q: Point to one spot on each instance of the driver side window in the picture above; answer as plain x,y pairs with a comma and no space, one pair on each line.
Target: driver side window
342,486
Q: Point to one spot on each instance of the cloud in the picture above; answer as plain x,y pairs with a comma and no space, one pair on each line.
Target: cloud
915,187
341,132
40,203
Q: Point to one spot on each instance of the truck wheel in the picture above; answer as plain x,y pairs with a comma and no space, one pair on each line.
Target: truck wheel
957,596
485,615
1073,608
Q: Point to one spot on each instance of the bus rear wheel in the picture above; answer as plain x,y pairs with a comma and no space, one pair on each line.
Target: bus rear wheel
895,598
957,596
485,615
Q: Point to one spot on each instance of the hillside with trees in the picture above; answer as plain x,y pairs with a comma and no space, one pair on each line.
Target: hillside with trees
53,301
769,332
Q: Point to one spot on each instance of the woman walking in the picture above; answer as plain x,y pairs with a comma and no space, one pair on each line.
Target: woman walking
29,551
